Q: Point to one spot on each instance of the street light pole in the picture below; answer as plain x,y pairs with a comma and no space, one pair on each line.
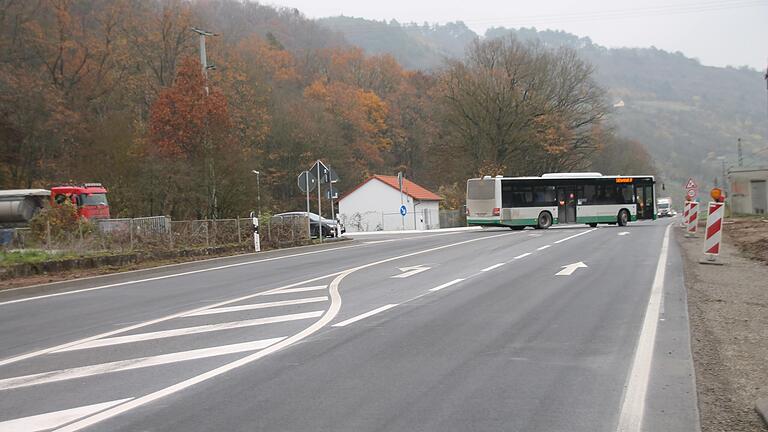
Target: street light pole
258,192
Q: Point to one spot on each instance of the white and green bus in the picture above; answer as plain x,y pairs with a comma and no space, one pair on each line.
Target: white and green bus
559,198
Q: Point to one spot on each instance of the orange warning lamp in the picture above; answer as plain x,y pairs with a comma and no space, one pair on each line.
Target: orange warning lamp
717,194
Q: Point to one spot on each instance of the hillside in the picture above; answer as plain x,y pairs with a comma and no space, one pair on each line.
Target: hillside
686,114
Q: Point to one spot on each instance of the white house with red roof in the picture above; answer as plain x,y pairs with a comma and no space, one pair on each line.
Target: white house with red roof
374,205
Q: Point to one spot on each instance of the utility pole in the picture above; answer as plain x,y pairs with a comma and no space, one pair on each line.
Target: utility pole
741,157
207,145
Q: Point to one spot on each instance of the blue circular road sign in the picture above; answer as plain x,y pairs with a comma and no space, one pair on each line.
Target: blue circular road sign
403,210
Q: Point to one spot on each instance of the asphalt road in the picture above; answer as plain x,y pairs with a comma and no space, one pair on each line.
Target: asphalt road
568,329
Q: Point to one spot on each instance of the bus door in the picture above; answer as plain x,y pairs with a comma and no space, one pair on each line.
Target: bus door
644,198
566,205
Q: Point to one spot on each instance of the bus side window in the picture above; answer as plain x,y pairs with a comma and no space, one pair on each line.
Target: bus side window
78,200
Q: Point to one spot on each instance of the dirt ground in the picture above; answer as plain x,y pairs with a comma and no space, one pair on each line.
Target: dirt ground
728,307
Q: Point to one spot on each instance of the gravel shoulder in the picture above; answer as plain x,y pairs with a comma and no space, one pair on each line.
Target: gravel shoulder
728,308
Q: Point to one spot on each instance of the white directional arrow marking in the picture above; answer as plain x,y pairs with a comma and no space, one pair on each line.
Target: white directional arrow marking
410,271
624,233
570,268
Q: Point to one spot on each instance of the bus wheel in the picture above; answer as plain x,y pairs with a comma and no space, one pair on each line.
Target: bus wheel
592,224
623,218
544,221
517,227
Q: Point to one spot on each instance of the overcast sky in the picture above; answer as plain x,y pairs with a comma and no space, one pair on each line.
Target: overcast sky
717,32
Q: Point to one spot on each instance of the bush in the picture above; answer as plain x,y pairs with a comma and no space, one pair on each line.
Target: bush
63,221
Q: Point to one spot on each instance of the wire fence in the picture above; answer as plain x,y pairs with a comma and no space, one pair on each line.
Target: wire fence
158,233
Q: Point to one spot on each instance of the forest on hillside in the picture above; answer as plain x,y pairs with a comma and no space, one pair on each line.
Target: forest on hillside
115,92
685,113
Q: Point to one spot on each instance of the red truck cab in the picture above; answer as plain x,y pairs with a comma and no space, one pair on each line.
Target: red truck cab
89,198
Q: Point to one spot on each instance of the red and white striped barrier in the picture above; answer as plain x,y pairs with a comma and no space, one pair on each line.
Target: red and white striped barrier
684,220
714,232
692,219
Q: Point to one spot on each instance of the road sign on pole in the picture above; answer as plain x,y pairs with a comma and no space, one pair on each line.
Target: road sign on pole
307,183
403,210
692,189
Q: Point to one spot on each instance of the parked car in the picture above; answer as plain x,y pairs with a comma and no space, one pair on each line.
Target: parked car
315,222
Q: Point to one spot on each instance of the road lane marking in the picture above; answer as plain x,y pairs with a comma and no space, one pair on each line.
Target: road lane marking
623,233
330,314
633,406
570,268
295,290
410,271
446,285
136,363
42,422
156,278
522,255
44,351
117,340
544,247
259,306
575,235
364,315
495,266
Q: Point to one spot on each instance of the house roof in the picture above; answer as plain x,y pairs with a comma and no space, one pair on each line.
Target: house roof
409,188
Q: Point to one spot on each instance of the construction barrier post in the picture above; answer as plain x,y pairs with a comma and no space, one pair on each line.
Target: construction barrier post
714,232
693,220
686,208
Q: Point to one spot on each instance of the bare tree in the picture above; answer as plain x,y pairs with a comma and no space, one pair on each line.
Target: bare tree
521,107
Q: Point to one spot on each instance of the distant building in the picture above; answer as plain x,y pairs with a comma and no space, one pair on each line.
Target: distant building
374,205
749,194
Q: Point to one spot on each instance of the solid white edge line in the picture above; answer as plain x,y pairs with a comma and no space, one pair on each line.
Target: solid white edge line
333,310
43,351
575,235
495,266
364,315
544,247
522,255
156,278
633,405
50,420
446,285
184,331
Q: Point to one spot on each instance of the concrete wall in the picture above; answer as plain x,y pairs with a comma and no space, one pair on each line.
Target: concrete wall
741,187
375,206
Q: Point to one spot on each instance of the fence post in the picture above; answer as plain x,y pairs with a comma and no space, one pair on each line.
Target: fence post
170,232
207,237
48,234
239,237
130,230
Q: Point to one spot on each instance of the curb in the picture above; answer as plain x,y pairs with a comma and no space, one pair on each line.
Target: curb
761,406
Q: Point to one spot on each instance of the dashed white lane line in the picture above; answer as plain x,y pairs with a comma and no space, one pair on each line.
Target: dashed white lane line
446,285
295,290
142,362
633,406
522,255
495,266
575,235
364,315
41,422
258,306
192,330
544,247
